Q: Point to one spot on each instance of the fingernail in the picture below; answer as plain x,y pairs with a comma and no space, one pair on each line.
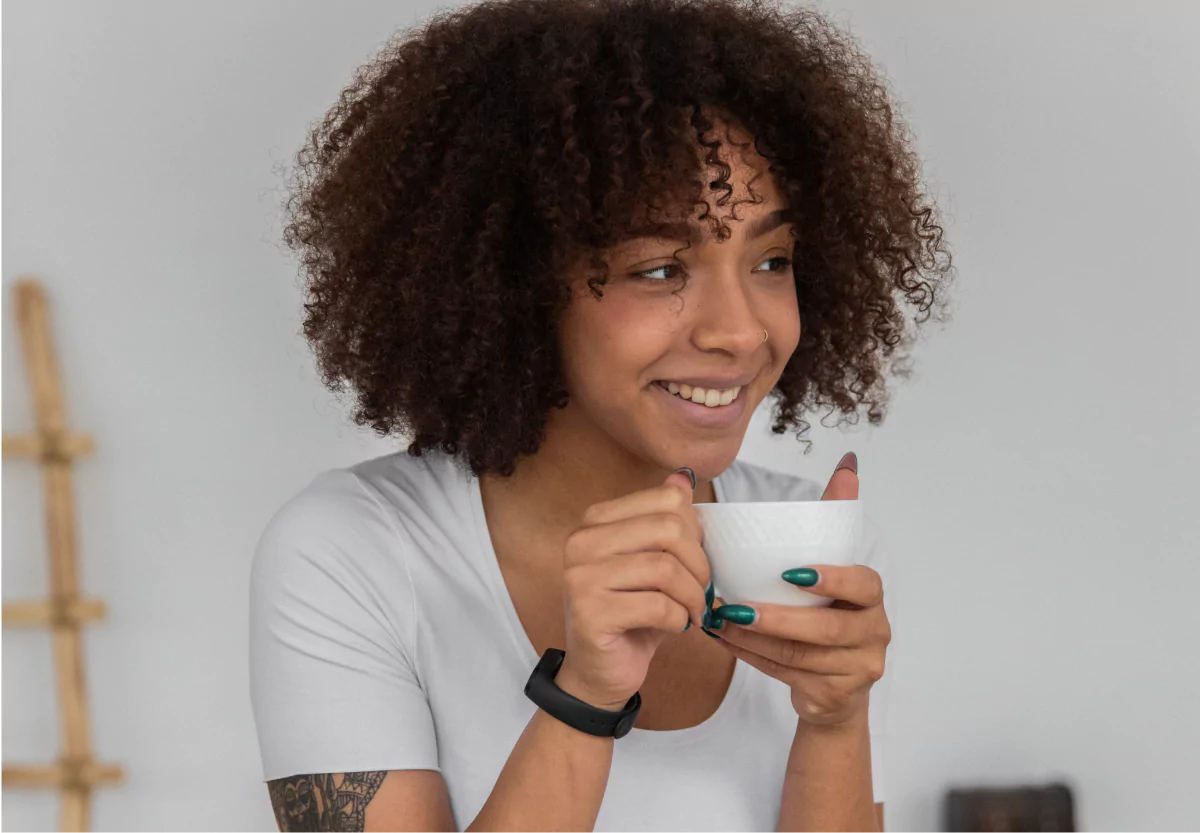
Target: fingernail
738,614
691,475
800,576
710,622
848,461
689,625
716,623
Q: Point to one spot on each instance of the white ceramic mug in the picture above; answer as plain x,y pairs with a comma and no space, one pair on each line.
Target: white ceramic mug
750,544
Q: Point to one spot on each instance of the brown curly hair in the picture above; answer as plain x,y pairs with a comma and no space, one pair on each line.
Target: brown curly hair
436,205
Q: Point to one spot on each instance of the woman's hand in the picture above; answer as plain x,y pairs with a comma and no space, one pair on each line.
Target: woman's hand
634,573
828,656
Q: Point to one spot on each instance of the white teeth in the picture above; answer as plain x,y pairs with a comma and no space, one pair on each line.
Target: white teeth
708,398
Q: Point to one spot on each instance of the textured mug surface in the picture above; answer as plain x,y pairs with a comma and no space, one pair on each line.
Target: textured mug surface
750,544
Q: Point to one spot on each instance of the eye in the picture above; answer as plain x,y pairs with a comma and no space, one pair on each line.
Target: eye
650,274
782,264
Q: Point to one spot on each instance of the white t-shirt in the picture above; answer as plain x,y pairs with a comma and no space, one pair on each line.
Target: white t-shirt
382,636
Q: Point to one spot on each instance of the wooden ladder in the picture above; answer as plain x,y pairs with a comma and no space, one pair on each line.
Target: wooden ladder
75,774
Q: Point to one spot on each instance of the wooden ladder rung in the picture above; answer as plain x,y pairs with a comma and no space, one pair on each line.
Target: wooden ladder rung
60,775
52,447
48,613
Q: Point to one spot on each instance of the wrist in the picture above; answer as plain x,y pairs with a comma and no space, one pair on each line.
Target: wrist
854,724
570,684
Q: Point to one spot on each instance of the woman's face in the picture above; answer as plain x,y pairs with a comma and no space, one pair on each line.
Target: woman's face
697,319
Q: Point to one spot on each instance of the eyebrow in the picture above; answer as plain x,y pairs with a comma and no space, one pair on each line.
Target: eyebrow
763,225
684,231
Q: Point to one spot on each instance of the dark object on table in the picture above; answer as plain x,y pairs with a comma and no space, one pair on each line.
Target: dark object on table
1017,808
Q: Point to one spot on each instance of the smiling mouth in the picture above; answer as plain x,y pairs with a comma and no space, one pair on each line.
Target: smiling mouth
701,396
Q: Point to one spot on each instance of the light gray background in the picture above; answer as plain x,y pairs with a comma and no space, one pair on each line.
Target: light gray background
1037,477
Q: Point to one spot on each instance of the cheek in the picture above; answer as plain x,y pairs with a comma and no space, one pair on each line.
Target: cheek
610,342
783,321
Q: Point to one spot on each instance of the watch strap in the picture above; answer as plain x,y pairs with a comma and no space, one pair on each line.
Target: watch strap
573,711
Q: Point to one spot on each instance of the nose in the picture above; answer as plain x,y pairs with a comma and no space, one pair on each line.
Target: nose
726,317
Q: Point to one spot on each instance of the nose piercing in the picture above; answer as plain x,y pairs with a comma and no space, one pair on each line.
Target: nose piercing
765,336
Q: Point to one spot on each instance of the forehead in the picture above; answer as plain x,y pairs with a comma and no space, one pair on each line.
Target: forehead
749,224
738,198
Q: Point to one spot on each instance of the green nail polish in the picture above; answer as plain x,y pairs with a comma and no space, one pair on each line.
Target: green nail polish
800,576
709,595
689,625
710,622
738,614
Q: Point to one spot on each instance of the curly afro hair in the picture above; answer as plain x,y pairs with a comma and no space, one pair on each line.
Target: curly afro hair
436,205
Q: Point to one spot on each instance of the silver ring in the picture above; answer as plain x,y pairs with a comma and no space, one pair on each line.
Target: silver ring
765,336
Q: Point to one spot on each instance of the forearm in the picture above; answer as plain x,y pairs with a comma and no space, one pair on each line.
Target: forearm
554,779
828,781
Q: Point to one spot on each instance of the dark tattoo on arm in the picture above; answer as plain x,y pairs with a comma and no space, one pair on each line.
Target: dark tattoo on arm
324,802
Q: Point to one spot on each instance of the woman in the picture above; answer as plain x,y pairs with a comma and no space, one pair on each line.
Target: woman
567,248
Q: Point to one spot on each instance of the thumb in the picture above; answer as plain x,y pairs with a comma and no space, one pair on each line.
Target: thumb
844,483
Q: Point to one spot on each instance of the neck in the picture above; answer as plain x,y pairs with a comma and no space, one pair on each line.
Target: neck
573,469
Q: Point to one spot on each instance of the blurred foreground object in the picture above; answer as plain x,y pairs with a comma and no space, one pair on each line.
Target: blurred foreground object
1017,808
64,611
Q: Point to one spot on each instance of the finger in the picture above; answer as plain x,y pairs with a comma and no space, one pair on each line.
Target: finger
645,609
768,666
844,483
856,584
817,625
805,656
661,571
765,664
664,531
818,689
675,495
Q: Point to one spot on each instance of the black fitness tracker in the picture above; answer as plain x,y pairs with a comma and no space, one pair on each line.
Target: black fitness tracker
573,711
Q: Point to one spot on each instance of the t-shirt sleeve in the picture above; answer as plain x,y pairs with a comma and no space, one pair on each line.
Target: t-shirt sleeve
333,680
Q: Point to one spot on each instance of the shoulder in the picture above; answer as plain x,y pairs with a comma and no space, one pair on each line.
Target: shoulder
334,513
357,510
344,527
746,481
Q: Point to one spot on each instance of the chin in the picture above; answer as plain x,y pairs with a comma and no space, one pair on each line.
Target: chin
711,466
670,442
707,460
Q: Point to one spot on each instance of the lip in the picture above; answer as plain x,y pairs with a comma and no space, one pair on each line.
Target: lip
712,382
723,416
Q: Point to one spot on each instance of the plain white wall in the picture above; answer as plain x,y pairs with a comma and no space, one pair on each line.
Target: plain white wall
1037,476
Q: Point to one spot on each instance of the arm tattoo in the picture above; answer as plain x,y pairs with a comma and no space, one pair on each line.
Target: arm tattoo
324,802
